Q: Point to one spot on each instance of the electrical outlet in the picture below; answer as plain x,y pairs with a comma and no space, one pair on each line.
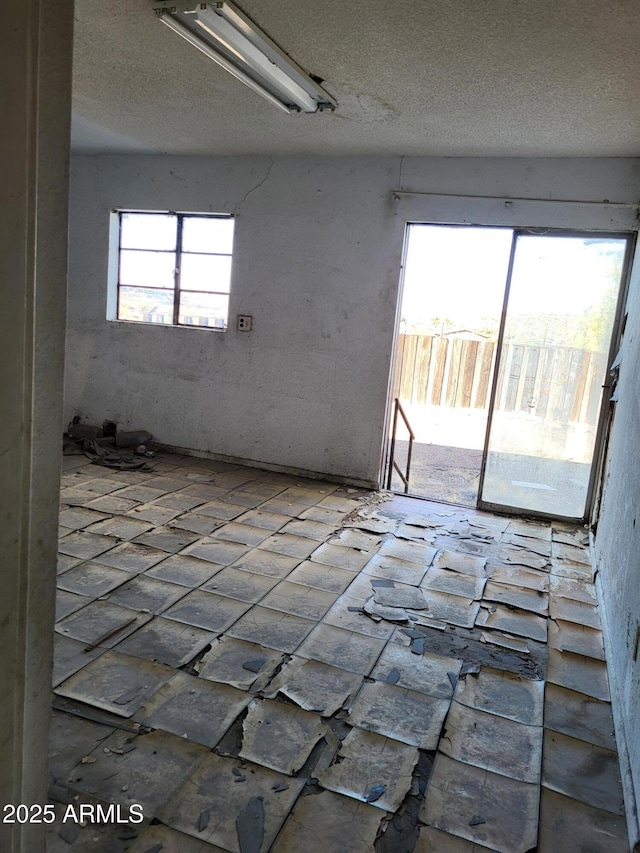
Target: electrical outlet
245,322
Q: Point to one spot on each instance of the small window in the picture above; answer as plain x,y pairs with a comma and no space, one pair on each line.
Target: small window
174,268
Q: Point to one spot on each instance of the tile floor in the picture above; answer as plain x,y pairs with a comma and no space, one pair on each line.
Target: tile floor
263,662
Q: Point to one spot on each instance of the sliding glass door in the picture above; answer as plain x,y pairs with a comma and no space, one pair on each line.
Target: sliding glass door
559,314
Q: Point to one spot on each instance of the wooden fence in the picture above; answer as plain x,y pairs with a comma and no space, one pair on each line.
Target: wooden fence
559,383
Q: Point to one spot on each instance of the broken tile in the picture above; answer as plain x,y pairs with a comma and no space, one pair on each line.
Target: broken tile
328,578
341,648
583,771
116,682
518,622
92,579
466,564
352,538
299,599
411,552
401,596
571,553
371,761
515,596
184,570
279,736
431,840
520,557
150,512
492,743
532,545
445,580
201,525
267,520
102,623
459,796
240,584
579,827
144,769
404,715
86,545
329,822
315,686
239,663
505,641
144,494
217,551
71,739
518,576
340,556
579,716
504,694
207,610
574,588
571,637
266,563
111,504
156,838
166,641
275,629
210,786
426,673
76,518
195,708
65,562
132,558
287,543
351,620
534,529
579,673
245,533
453,609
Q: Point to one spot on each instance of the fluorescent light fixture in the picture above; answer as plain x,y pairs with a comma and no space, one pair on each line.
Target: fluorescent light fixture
225,34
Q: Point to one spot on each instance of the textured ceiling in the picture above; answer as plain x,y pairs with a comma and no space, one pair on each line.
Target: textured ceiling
411,77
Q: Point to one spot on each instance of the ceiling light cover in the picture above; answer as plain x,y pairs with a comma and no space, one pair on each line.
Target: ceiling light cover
224,33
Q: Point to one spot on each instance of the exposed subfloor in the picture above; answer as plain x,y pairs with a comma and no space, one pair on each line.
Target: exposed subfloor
261,662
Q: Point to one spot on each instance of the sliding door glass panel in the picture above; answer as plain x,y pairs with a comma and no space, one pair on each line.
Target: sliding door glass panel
558,326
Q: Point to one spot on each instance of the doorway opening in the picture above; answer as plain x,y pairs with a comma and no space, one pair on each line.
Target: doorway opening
504,343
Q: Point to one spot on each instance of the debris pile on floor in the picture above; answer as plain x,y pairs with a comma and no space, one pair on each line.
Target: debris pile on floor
264,663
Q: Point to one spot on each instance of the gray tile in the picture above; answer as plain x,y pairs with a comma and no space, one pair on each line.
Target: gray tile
307,528
342,558
147,594
144,494
518,576
101,623
315,686
72,738
515,596
152,512
571,637
237,583
116,683
92,579
239,663
207,610
69,656
86,545
343,649
519,622
68,602
579,716
220,510
452,608
578,827
279,736
245,534
521,557
132,558
263,518
266,563
167,641
503,693
404,715
299,599
142,769
210,787
184,570
431,840
369,762
412,552
574,611
273,628
445,580
466,564
217,551
341,617
167,539
112,504
328,578
329,822
120,526
194,708
434,675
287,543
76,518
583,771
459,796
579,673
493,743
170,840
393,568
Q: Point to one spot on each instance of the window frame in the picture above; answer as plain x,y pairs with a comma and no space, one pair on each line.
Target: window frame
177,253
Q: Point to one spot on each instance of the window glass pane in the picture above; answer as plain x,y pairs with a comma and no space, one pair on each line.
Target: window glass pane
203,309
205,272
145,304
207,234
148,231
147,269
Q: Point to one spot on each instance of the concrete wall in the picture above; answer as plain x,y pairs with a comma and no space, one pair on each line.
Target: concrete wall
617,549
35,56
317,261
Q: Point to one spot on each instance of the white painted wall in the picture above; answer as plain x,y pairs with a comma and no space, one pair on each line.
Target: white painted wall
316,262
617,547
